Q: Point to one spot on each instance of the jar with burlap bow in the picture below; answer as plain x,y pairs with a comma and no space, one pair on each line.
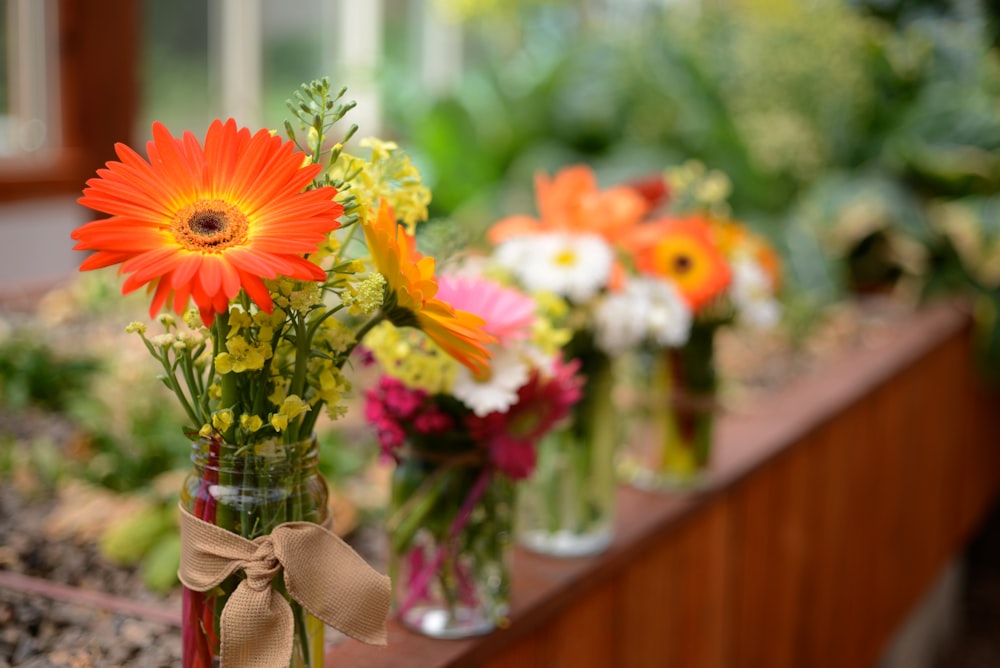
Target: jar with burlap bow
263,573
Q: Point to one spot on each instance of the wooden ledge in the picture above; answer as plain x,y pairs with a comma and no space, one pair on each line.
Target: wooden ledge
833,503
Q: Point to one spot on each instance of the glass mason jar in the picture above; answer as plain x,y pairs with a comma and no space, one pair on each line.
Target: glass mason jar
567,507
450,528
673,414
250,490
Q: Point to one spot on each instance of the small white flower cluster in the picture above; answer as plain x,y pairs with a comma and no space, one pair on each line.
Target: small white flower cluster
579,267
648,310
753,294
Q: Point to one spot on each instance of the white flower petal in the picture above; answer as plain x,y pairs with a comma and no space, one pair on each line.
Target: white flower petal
497,392
752,293
576,266
648,310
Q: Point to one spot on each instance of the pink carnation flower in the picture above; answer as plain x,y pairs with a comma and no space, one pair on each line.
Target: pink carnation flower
389,407
433,421
390,434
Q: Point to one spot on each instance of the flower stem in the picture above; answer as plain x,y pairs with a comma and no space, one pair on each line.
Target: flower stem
437,566
230,391
297,387
359,336
170,379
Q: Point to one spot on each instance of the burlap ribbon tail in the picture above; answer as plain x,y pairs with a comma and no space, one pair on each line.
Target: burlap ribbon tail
321,572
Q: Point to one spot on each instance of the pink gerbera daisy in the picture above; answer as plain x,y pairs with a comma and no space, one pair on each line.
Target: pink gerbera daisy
509,314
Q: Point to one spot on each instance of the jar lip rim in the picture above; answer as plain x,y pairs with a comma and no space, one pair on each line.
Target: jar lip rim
273,440
273,450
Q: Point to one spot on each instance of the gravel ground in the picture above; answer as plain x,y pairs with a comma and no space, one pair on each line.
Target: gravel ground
41,631
91,622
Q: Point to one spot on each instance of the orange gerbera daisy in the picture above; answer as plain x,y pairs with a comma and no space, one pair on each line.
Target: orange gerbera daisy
410,278
684,251
572,202
202,223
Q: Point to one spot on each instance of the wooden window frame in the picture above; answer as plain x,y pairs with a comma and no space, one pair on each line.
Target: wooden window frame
98,87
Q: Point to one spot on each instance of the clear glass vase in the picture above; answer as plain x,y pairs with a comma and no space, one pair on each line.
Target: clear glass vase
567,507
673,415
250,491
450,539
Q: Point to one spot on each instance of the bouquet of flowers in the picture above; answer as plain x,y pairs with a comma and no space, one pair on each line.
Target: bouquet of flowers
261,234
725,274
574,250
459,440
652,269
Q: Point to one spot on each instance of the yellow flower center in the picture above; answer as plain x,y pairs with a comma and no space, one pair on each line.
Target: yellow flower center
210,225
566,258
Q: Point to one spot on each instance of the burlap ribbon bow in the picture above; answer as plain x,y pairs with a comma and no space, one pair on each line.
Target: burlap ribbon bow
321,572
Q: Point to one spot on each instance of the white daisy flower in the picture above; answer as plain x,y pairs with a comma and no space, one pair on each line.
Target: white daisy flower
496,392
576,266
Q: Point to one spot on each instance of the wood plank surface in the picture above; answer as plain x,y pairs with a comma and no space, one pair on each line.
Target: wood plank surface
834,504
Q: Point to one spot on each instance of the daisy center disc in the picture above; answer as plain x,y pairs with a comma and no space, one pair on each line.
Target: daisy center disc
210,225
566,258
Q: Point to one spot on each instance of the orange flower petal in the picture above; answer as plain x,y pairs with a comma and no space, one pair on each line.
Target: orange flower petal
200,222
683,250
410,277
257,290
513,226
571,202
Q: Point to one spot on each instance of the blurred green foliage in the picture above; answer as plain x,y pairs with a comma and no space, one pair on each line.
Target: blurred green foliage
150,540
122,447
845,129
126,449
32,374
343,454
772,99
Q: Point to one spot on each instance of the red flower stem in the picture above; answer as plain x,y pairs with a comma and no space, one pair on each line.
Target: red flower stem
198,610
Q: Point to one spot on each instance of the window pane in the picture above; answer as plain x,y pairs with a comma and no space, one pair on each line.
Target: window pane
293,51
176,74
28,89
